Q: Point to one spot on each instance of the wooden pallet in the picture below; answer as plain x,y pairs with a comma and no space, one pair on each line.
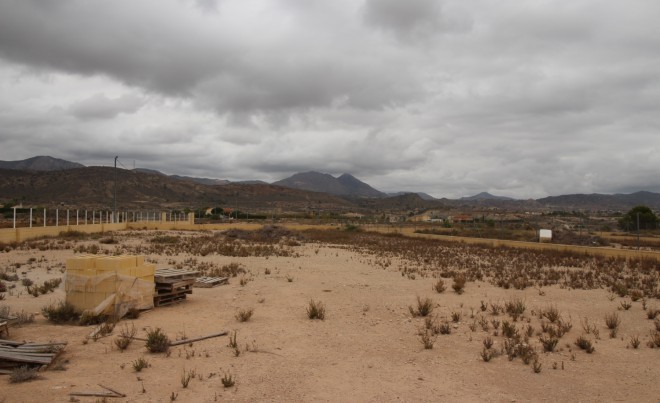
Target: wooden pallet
172,285
162,275
160,300
208,282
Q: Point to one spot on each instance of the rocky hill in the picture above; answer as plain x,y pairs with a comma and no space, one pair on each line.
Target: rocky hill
345,185
40,163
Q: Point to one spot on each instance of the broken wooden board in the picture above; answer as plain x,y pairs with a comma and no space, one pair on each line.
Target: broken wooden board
208,282
16,354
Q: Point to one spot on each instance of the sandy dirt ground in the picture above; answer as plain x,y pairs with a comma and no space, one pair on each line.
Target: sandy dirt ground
366,350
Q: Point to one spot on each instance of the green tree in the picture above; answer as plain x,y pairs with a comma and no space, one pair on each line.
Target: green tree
647,219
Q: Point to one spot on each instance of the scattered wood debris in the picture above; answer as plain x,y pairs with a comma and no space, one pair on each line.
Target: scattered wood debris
15,354
106,393
186,341
208,282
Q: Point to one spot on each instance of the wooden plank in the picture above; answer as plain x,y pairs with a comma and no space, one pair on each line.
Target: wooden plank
175,284
208,282
170,297
44,350
169,300
19,351
186,341
163,274
11,343
55,343
94,394
21,358
172,293
113,391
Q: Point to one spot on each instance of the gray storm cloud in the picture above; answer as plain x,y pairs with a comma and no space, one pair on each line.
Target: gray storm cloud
99,106
449,97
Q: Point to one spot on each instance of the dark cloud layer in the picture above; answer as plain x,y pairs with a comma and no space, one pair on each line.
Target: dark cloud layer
450,97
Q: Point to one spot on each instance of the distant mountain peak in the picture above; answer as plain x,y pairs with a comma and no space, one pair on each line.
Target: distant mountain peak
344,185
485,196
422,195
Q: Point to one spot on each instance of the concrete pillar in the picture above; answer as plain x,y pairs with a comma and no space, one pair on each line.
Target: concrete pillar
57,217
191,218
67,217
44,217
77,217
30,217
14,217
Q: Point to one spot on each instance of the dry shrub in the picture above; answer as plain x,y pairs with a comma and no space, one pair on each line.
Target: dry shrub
612,321
459,284
585,344
439,286
427,338
125,338
23,374
424,307
316,310
243,315
228,380
157,341
63,312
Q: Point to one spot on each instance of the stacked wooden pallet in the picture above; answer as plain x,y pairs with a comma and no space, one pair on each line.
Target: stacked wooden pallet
172,285
15,354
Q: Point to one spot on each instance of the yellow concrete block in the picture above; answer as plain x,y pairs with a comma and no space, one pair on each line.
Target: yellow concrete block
108,285
148,278
76,299
139,260
80,263
85,300
107,263
122,264
144,270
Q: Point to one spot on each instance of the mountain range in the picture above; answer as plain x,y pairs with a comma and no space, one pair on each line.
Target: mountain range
48,180
344,185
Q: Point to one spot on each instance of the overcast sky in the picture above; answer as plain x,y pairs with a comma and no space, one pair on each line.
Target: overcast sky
451,97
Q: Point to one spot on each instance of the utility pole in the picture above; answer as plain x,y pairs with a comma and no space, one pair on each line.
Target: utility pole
114,210
638,231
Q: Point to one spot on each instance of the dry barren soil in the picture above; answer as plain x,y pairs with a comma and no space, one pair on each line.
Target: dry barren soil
368,348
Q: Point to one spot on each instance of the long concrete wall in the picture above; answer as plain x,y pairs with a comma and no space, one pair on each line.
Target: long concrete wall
9,235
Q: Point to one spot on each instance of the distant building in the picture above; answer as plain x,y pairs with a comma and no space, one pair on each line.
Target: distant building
545,235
